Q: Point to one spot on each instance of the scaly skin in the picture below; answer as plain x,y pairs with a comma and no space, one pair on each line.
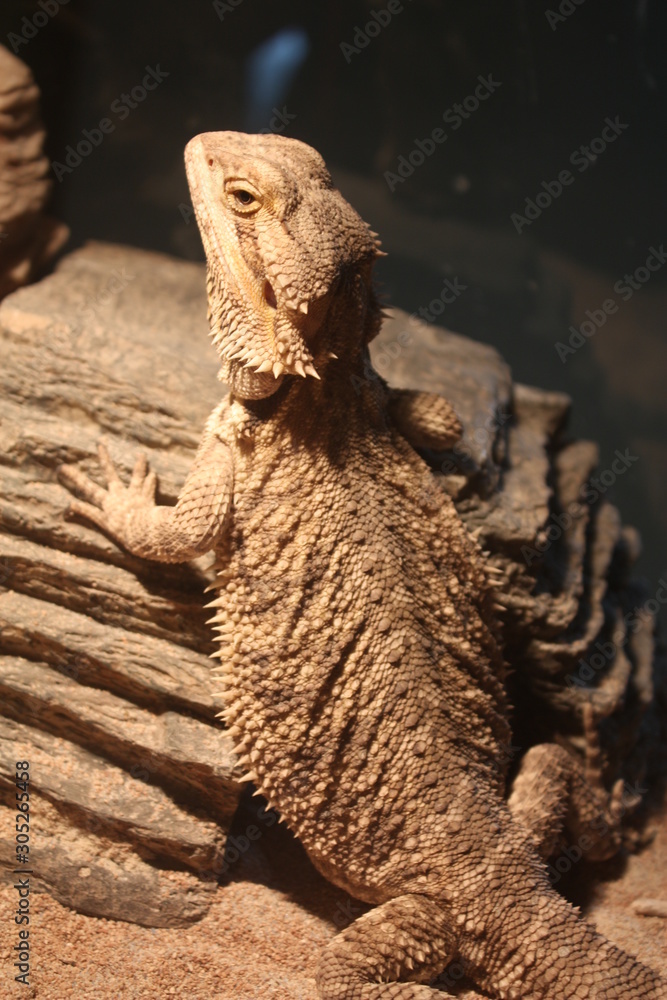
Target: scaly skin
359,665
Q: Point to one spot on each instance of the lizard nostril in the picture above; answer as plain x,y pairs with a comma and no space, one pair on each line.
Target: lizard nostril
270,295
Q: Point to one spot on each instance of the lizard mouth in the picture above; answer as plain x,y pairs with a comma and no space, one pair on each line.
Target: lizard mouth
260,322
270,295
252,327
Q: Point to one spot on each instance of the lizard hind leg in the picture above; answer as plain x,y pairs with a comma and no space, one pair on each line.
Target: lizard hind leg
556,795
388,953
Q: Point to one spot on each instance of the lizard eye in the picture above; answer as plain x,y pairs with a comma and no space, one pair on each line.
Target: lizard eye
244,197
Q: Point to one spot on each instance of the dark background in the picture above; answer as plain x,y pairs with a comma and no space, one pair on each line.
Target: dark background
451,217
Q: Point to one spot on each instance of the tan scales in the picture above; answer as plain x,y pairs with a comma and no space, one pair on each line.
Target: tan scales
360,669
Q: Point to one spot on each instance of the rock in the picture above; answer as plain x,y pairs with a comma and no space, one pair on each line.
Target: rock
562,555
28,239
104,668
185,754
119,803
119,889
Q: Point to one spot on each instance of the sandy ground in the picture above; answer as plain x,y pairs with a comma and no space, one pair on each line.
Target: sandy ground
263,933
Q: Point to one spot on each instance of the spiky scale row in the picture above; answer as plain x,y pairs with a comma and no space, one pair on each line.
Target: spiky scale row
358,664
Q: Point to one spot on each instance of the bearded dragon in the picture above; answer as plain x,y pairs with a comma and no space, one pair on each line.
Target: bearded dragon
360,667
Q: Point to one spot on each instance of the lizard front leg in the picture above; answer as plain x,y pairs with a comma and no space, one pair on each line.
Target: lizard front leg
425,419
130,515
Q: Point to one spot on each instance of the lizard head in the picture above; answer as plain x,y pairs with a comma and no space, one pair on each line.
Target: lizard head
280,241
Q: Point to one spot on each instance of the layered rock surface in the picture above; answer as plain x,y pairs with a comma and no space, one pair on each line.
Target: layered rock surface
103,667
28,239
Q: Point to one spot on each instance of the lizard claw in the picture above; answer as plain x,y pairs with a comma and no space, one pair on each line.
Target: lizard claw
107,508
143,480
108,467
78,482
